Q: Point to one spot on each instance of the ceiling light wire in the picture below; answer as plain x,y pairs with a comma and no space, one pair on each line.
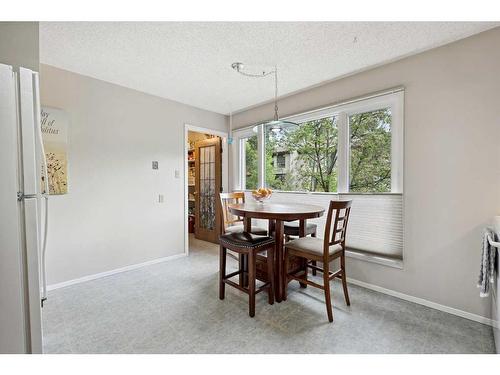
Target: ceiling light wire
276,124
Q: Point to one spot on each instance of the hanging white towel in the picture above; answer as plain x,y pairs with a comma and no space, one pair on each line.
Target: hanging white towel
486,272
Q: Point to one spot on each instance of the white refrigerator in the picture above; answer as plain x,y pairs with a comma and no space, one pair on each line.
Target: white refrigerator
23,208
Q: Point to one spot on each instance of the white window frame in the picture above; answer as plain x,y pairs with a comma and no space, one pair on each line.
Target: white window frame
239,136
393,100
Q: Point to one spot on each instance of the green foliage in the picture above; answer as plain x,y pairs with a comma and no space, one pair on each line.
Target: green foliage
315,145
370,151
251,156
251,160
312,149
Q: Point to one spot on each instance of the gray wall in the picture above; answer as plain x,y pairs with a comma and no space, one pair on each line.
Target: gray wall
19,44
452,164
18,47
111,217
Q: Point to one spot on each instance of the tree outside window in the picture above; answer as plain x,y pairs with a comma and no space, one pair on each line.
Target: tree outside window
305,157
311,150
370,163
251,165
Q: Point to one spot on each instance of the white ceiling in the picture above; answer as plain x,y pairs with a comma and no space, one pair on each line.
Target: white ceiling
190,62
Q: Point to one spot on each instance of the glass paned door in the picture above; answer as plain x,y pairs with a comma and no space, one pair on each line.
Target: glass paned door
208,186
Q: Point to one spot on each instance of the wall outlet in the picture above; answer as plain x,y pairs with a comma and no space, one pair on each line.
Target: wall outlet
155,165
160,198
177,174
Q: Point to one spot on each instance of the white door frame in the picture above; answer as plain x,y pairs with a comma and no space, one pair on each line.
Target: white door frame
225,170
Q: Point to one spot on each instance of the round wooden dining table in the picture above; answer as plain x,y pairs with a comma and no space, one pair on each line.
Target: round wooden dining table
277,214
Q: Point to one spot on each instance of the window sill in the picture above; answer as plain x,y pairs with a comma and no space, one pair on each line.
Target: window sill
389,262
321,192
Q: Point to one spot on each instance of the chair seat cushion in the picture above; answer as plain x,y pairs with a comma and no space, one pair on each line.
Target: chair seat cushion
291,228
311,245
244,240
239,228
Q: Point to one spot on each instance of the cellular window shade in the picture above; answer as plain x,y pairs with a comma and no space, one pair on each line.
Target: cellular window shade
375,224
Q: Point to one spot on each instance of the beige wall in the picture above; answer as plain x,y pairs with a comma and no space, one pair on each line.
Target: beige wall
111,217
452,164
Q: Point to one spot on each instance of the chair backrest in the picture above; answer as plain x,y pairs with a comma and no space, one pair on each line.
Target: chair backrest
336,224
228,218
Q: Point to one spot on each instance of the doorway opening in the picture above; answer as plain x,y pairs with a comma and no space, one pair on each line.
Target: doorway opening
206,169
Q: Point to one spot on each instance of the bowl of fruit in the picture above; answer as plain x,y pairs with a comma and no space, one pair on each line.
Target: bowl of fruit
261,194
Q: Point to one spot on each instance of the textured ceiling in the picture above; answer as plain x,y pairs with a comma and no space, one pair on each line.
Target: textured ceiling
189,62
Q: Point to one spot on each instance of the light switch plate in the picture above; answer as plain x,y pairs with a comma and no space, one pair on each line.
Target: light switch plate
160,198
177,173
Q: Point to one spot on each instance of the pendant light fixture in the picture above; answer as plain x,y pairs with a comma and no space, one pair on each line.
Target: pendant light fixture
275,125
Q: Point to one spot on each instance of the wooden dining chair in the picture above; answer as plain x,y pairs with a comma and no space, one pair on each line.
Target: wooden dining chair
248,245
232,223
292,229
323,250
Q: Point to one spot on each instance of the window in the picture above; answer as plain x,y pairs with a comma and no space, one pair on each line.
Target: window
311,151
281,160
370,151
250,170
355,147
353,150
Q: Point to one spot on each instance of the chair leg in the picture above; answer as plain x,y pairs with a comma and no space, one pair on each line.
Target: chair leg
241,261
344,280
270,275
244,270
315,265
313,234
222,272
304,262
251,283
286,265
328,298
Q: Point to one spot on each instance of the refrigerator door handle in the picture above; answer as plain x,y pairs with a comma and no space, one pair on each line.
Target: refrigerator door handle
45,178
44,251
32,242
38,124
21,196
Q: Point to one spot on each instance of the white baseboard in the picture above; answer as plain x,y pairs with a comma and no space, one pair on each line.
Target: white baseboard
113,272
421,301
